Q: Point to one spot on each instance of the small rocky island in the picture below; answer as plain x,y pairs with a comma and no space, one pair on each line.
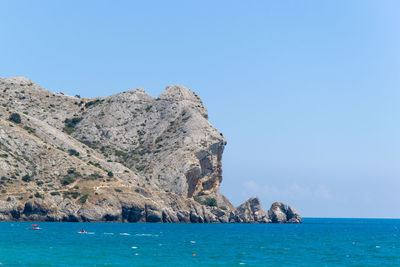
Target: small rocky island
128,157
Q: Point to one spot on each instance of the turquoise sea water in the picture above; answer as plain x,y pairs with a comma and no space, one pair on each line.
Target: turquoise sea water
319,242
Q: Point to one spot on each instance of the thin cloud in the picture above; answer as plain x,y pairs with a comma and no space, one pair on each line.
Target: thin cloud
290,191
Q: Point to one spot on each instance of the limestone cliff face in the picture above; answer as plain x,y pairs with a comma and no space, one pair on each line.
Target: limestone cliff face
167,140
127,157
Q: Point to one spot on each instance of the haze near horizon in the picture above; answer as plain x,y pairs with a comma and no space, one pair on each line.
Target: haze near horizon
306,93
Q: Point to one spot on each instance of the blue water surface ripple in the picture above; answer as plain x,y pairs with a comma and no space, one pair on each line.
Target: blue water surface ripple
316,242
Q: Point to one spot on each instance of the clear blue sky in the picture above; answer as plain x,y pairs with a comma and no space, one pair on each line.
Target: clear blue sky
307,93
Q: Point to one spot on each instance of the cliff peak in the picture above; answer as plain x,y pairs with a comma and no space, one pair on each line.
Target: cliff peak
179,93
20,80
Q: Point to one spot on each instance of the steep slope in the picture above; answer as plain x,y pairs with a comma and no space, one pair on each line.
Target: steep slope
126,157
168,140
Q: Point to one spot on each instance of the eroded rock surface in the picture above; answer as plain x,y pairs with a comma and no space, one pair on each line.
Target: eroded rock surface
128,157
282,213
251,211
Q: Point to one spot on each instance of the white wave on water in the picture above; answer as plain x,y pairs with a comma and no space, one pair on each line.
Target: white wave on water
145,235
124,234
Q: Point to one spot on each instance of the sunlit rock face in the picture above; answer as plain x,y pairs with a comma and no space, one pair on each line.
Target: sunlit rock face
127,157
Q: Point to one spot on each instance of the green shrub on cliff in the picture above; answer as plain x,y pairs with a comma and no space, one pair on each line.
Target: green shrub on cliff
211,202
15,117
73,152
66,180
70,124
83,198
26,178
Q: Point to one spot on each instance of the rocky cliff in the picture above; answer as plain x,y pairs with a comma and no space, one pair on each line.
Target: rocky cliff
127,157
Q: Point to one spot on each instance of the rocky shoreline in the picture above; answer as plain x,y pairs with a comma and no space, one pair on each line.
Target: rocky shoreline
249,212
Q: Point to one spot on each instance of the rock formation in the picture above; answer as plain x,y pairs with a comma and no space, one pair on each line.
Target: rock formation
127,157
281,213
251,211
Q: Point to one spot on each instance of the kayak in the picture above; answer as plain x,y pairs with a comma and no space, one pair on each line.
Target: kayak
35,227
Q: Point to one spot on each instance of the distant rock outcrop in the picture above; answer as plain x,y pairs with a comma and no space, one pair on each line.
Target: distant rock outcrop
128,157
251,211
282,213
